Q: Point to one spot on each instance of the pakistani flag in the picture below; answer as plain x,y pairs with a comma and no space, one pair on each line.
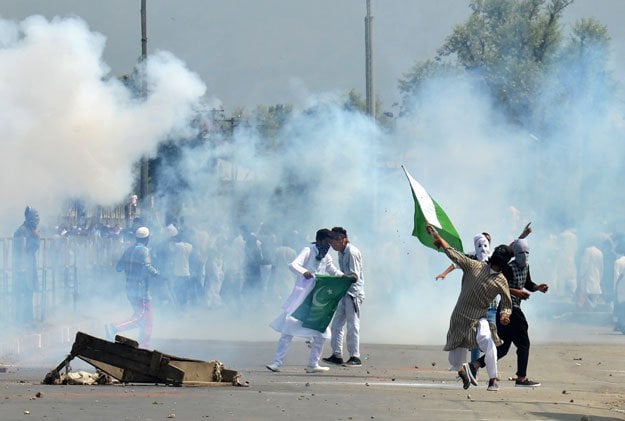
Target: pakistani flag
319,306
426,210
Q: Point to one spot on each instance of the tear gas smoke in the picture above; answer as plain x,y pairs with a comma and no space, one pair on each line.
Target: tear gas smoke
71,129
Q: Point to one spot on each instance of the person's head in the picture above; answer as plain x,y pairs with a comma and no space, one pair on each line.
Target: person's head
172,231
482,247
142,234
500,258
31,217
322,240
340,240
521,252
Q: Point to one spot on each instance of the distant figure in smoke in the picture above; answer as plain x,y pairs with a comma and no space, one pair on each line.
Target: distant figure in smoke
564,265
215,268
311,261
253,260
180,251
619,293
589,277
346,321
137,264
25,278
131,210
468,327
517,274
282,276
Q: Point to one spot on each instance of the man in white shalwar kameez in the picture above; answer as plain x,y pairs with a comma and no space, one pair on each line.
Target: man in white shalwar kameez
590,274
311,261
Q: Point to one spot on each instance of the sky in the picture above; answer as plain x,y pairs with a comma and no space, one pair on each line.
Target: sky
251,52
68,128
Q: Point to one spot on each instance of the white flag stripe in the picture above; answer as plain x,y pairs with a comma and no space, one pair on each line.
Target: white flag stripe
425,201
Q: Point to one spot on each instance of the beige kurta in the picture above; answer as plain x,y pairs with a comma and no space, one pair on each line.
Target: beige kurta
479,288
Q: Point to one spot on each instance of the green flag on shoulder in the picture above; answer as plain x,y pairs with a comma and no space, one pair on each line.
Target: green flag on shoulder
319,306
426,210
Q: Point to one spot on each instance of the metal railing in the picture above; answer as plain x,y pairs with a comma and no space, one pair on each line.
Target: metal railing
66,267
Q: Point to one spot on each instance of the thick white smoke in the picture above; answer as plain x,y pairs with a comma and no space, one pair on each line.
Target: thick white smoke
68,126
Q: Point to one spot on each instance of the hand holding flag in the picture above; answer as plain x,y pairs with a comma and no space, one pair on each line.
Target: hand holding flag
318,308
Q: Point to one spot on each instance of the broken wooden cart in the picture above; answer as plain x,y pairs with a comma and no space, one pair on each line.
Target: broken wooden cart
126,362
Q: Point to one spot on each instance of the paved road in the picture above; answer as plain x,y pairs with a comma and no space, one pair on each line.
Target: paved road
581,381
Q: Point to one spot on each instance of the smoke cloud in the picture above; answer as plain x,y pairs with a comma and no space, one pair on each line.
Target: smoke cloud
70,129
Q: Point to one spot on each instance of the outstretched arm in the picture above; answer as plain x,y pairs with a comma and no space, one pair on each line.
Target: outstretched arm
526,231
446,272
439,242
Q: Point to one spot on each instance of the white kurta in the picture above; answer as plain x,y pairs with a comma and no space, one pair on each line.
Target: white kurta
304,262
619,280
591,270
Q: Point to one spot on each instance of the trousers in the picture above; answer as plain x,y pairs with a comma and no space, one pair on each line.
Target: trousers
346,322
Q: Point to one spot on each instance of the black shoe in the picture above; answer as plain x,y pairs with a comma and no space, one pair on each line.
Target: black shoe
473,370
353,362
469,370
466,383
526,383
333,359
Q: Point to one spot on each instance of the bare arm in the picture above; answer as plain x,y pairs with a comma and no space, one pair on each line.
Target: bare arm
439,242
446,272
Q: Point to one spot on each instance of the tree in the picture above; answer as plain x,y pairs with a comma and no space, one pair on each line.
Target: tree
270,120
510,45
356,103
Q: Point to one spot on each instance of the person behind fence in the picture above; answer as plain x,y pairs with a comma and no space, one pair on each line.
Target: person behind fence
25,278
137,265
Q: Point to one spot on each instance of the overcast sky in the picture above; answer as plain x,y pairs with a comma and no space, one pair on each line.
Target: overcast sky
252,52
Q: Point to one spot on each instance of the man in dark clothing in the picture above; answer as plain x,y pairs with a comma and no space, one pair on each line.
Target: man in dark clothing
25,278
517,274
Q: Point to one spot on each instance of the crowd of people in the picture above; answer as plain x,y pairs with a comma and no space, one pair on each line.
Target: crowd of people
177,266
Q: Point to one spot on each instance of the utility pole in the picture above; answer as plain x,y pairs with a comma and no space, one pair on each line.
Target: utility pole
369,62
144,184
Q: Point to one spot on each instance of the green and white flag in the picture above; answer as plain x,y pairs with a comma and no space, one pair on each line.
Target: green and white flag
319,306
426,210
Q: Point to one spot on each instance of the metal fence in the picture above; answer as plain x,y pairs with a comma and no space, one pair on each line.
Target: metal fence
66,267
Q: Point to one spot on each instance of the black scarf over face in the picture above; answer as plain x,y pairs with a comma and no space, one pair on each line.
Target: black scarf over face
323,250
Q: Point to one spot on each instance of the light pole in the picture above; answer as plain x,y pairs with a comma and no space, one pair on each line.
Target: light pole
370,95
144,184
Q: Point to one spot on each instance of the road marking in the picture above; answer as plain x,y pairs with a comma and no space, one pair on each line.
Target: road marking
389,384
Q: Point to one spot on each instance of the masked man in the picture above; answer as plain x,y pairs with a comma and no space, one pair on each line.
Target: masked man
517,274
311,260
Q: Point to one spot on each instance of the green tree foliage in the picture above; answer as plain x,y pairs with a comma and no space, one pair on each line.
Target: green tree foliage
356,103
512,46
270,120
